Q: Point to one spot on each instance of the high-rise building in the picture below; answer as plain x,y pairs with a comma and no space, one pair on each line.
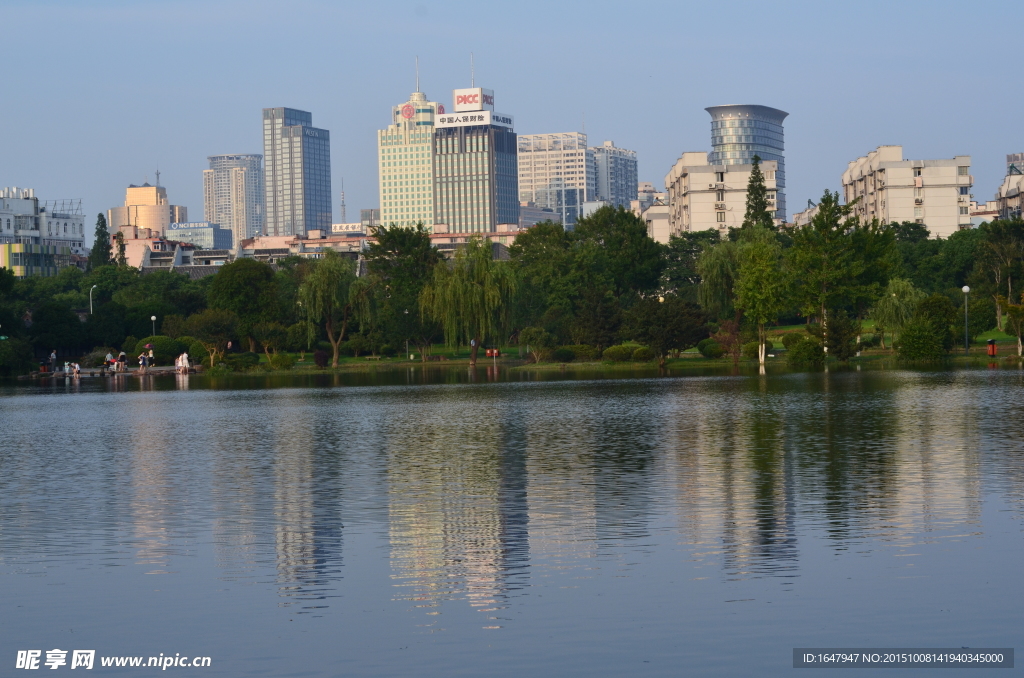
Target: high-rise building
476,182
146,206
297,172
233,194
740,132
556,173
405,153
936,193
615,175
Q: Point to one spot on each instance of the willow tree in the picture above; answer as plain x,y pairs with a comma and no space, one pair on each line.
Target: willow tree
717,267
895,309
469,296
325,297
761,283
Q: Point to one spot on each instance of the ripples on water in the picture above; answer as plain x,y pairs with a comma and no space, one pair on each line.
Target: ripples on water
493,495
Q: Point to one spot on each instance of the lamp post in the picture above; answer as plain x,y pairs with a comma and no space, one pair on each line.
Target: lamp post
153,320
90,298
967,342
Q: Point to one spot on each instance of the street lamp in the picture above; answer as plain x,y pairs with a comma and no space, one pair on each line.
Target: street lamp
967,343
90,298
153,319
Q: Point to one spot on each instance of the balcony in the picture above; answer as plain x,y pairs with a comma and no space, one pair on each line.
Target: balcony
719,205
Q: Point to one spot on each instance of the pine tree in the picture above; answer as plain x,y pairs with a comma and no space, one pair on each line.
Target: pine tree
757,213
101,249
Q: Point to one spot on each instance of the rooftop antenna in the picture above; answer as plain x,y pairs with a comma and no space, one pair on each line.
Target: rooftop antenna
417,74
472,71
344,214
158,175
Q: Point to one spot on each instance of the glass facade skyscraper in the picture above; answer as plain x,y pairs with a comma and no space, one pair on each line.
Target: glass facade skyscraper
476,175
233,194
740,132
297,173
615,174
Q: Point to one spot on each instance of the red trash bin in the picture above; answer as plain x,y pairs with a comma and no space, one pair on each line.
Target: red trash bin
993,350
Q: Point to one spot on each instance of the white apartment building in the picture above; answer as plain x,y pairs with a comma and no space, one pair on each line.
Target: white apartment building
703,196
1008,197
406,163
936,193
58,223
556,172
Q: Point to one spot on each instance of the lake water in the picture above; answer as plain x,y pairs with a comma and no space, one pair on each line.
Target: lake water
391,526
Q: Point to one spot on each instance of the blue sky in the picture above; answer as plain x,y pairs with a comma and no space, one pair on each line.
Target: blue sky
97,94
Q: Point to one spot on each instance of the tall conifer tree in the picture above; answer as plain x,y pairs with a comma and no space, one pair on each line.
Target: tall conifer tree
757,213
101,249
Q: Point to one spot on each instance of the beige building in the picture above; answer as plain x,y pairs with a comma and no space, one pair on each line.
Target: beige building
1008,197
703,196
936,193
405,155
146,207
556,172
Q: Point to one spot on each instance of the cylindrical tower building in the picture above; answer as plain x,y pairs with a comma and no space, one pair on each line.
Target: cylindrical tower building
740,132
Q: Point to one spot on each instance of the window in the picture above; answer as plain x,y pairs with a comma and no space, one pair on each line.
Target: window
918,211
917,171
720,196
962,170
721,217
965,190
918,192
965,210
720,177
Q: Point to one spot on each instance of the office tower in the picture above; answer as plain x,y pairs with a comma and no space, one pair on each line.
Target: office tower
740,132
202,234
405,155
476,183
556,173
615,174
233,194
146,206
936,193
297,173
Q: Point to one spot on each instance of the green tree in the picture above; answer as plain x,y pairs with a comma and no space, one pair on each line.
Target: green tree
247,288
681,255
15,357
400,262
213,328
101,249
271,336
613,243
929,334
718,267
896,306
1014,320
325,297
823,260
1001,254
120,259
758,212
469,296
665,324
761,283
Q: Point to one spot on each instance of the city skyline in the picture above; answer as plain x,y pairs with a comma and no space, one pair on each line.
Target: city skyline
826,129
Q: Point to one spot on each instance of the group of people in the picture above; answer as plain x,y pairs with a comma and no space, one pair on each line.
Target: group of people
181,365
120,363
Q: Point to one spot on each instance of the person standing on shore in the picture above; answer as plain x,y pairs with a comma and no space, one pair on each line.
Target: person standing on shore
142,362
53,361
122,361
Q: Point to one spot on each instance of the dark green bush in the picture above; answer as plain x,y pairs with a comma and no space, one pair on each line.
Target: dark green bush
97,356
563,355
185,343
197,353
584,353
282,361
709,348
750,349
790,339
643,355
808,352
320,357
242,362
16,357
618,354
129,344
920,340
165,349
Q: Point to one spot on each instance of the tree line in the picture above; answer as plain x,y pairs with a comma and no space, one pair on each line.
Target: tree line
602,288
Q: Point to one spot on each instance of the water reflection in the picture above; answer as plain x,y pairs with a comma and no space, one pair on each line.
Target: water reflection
484,490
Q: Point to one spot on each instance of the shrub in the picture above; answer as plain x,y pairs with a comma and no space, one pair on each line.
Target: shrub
16,357
709,348
920,340
618,354
173,326
185,343
282,361
320,357
129,344
563,355
806,352
242,362
750,349
791,339
324,346
197,353
218,370
388,351
643,355
165,349
540,342
584,353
